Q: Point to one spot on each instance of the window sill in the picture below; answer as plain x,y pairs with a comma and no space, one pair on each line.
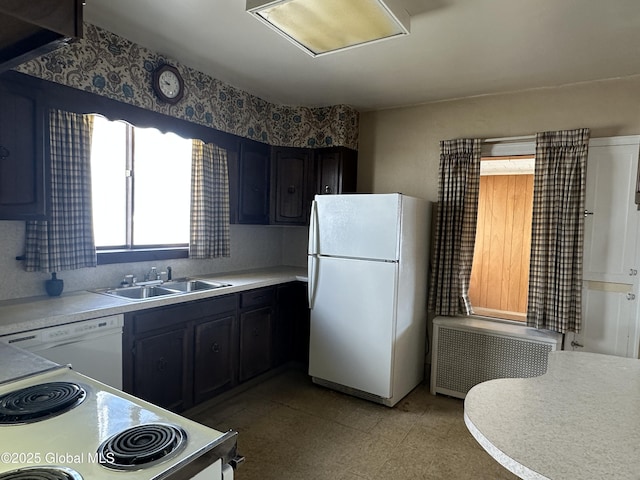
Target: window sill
106,257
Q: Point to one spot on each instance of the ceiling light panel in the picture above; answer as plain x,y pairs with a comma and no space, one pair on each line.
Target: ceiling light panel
325,26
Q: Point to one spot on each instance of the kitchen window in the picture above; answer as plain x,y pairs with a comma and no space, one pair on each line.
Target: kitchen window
499,283
141,191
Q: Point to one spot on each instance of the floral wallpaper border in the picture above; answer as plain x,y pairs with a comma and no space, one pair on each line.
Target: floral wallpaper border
109,65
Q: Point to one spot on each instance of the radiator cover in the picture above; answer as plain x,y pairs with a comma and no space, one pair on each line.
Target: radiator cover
468,351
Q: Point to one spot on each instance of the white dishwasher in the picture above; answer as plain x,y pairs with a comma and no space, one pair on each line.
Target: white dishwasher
92,347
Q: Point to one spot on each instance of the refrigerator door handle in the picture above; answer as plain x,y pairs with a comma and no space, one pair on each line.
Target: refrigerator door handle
311,280
313,229
313,252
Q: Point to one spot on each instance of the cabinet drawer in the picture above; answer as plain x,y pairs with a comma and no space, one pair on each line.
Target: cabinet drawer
260,296
159,318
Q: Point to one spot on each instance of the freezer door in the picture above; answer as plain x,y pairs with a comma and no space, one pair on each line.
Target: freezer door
352,324
356,226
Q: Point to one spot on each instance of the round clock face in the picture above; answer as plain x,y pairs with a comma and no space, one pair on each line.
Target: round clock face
168,84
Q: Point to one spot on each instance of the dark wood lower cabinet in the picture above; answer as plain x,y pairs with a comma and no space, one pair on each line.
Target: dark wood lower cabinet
160,365
216,351
291,327
256,323
255,342
181,355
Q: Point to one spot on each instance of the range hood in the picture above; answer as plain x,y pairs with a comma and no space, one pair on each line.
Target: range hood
34,27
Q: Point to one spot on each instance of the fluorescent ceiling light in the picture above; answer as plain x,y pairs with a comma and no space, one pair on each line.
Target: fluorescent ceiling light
325,26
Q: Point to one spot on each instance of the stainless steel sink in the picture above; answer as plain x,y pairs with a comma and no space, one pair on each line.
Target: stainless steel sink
173,287
187,285
138,292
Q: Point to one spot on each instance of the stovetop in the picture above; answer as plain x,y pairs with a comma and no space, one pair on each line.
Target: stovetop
101,423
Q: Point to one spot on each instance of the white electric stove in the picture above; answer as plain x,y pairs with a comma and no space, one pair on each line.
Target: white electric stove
59,424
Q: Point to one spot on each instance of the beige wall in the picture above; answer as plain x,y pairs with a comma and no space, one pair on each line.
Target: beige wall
399,149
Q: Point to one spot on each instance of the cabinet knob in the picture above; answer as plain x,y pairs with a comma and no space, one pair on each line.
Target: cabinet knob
633,272
328,189
215,348
631,296
291,189
4,153
161,364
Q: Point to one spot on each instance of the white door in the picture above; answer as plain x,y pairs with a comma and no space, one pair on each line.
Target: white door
611,222
610,265
353,324
610,312
356,226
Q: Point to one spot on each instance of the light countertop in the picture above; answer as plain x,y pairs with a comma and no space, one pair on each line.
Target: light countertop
580,420
31,313
17,363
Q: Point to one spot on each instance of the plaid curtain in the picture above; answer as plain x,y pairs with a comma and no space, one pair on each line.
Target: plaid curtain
557,234
210,236
458,188
65,241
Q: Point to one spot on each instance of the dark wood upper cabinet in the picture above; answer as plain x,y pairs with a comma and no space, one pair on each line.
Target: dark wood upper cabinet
252,202
336,170
34,27
249,176
23,168
291,173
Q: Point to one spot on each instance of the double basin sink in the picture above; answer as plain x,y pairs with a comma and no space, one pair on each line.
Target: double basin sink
172,287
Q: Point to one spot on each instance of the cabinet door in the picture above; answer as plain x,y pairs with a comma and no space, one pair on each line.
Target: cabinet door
255,342
253,201
22,157
610,264
609,316
336,170
214,360
291,196
612,220
33,28
291,327
160,369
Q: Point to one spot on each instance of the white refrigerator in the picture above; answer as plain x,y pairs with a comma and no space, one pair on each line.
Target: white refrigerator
367,268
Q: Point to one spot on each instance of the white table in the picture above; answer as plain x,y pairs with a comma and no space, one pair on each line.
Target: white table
580,420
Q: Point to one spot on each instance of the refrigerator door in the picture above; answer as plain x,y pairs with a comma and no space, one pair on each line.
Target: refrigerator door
353,324
356,226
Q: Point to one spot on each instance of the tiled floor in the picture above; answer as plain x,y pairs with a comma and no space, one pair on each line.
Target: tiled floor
290,428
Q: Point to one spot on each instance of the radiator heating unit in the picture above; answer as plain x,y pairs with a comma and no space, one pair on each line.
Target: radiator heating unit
467,351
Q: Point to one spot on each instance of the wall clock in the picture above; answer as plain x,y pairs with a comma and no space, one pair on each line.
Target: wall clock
168,84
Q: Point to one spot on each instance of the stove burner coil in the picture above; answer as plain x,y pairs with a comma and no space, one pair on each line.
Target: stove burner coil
39,402
141,446
41,473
